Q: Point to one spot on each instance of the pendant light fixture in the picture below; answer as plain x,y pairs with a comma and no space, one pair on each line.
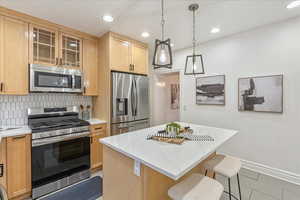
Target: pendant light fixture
162,53
194,63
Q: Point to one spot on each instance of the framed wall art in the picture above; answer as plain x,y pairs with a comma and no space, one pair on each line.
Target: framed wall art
175,97
210,90
261,94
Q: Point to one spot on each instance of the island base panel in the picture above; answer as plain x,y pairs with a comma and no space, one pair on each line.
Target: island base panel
120,182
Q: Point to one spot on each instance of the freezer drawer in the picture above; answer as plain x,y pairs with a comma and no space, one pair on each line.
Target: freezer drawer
120,128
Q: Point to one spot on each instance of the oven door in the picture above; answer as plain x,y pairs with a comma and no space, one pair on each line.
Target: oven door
52,162
54,79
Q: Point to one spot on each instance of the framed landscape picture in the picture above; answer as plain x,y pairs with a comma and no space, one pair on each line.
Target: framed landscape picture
261,94
210,90
175,90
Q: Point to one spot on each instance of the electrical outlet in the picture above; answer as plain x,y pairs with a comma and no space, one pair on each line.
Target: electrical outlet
137,168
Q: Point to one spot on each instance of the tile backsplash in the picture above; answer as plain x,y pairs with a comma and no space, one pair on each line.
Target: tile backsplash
13,109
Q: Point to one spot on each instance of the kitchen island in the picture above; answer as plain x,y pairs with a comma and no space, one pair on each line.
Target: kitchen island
135,168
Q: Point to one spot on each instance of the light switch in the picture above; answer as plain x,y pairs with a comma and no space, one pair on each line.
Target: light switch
184,107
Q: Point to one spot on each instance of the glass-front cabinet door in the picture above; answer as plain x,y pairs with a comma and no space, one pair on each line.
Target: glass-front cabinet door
44,45
71,51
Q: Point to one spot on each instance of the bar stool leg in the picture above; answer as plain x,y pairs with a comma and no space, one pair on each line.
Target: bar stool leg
238,179
229,186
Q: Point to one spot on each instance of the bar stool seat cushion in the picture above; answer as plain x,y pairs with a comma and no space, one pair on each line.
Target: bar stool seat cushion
225,165
196,187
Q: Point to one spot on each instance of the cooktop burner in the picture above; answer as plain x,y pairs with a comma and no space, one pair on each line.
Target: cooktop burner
48,119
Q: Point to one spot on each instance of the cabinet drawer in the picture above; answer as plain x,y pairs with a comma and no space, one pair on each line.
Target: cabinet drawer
98,128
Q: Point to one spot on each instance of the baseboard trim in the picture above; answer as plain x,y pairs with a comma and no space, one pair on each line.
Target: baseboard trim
273,172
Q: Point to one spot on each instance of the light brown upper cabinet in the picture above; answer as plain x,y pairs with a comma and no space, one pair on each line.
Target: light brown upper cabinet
120,54
70,51
43,45
128,55
18,166
140,59
50,47
90,67
14,56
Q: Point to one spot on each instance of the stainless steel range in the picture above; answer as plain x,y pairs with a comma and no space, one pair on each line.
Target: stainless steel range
60,148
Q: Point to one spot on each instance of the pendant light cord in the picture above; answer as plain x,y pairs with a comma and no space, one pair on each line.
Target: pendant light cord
162,20
194,29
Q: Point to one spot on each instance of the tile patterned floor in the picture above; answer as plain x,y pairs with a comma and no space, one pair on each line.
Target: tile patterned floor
257,186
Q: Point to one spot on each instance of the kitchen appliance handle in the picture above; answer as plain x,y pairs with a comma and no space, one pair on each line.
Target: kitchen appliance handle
1,170
73,81
136,97
132,97
60,139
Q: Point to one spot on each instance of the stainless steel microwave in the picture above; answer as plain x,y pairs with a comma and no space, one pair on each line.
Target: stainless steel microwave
55,79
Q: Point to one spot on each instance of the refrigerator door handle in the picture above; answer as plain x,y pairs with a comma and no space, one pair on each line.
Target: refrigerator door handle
132,97
136,98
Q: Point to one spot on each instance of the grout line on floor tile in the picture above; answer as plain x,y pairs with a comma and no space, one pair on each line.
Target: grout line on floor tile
276,198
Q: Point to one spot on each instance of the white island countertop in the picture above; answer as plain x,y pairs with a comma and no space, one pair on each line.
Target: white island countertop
171,160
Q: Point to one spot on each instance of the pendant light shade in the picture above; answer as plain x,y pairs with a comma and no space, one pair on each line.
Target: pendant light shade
163,52
194,63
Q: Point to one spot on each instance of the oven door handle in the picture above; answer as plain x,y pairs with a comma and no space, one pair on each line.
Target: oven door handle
40,142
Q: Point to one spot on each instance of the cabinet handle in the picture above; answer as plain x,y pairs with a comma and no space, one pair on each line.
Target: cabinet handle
131,68
84,90
1,170
56,61
1,87
99,128
18,137
60,62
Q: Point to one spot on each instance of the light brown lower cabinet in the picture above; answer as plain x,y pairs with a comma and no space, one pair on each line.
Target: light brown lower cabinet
97,132
18,162
3,163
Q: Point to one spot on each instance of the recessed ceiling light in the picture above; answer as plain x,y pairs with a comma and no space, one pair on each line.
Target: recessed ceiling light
293,4
215,30
172,45
145,34
108,18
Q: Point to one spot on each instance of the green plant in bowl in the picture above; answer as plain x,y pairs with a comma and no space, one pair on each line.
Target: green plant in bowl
173,128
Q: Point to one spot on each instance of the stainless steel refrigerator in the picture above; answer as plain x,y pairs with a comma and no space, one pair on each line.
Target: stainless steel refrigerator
130,102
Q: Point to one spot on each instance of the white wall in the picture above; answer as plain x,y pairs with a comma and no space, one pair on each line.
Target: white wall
162,112
265,138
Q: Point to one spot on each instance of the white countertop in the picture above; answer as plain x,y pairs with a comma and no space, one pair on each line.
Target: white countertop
21,130
94,121
14,132
169,159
